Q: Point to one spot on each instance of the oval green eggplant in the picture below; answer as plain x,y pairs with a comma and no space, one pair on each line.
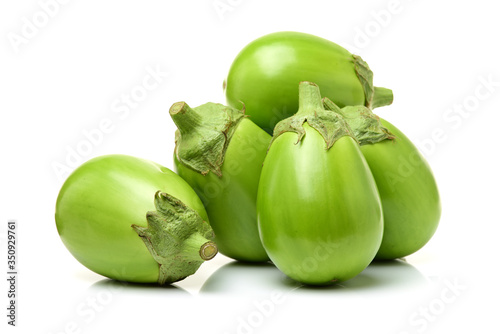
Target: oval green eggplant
220,152
407,187
266,73
319,213
133,220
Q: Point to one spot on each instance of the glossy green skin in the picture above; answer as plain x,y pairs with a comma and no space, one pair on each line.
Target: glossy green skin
409,194
230,201
266,73
320,217
100,201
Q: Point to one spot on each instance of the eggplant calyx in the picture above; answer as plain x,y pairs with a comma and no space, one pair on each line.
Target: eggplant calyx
374,96
330,125
204,134
365,125
177,238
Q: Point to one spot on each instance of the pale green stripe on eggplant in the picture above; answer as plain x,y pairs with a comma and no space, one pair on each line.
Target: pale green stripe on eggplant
203,134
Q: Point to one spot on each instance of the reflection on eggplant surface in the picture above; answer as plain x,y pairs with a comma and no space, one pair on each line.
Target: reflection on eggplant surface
245,279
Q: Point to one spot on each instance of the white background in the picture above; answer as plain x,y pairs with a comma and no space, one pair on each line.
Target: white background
70,73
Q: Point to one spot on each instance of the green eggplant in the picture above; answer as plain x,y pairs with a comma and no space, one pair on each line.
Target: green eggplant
319,212
219,152
133,220
407,187
266,72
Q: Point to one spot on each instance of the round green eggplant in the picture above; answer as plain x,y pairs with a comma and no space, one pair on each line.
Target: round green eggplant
266,73
319,212
220,152
112,217
407,187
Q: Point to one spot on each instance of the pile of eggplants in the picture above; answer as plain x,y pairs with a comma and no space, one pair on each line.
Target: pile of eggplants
296,169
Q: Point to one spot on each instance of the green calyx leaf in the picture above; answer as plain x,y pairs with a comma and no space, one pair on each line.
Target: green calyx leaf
365,125
330,125
177,238
204,134
374,96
